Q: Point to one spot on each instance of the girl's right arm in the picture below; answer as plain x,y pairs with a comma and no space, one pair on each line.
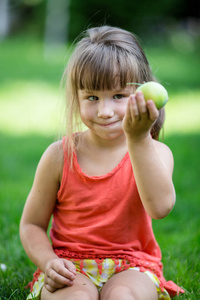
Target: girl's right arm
36,216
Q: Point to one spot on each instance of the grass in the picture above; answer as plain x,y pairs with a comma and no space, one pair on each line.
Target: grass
30,106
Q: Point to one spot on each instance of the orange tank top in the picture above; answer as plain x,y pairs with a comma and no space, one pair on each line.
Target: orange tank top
100,217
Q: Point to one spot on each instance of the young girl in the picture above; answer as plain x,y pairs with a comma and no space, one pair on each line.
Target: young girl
102,185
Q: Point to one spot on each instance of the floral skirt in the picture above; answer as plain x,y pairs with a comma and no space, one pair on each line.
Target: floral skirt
99,274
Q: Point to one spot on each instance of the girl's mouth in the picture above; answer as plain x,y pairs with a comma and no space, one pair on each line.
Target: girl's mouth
107,124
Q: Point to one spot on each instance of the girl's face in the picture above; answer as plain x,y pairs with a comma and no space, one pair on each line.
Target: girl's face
103,111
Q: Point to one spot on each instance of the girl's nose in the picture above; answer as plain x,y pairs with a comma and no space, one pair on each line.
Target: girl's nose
105,109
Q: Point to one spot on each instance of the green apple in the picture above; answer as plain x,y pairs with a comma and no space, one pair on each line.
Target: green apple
154,91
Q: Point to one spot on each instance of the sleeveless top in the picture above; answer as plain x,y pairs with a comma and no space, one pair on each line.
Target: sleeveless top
100,217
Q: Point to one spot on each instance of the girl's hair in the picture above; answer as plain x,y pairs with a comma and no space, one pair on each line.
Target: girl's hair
104,57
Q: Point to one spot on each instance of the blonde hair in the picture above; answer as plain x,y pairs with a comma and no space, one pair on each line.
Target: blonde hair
101,54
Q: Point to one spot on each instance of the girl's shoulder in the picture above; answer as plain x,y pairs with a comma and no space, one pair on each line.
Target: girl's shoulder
53,159
55,148
55,151
162,147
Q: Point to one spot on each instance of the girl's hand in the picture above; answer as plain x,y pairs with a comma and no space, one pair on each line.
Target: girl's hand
139,117
58,274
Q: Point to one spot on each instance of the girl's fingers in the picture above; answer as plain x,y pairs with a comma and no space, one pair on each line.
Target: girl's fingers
70,266
58,278
50,288
141,104
153,111
140,115
64,272
132,111
63,268
147,110
59,273
58,281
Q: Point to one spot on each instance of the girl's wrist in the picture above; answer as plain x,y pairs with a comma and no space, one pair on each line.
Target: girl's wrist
45,261
141,139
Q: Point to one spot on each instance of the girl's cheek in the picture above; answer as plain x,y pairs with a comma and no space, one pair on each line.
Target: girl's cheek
124,107
86,113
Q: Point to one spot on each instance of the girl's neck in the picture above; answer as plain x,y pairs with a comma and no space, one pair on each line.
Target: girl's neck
90,139
97,156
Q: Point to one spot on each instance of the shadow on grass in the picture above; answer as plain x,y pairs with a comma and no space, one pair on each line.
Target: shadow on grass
178,234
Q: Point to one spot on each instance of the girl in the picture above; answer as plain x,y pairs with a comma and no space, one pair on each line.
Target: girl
102,185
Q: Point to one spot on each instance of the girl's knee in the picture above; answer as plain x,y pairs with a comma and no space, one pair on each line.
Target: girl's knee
80,294
120,292
68,294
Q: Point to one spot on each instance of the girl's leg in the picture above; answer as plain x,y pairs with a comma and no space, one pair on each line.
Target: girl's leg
82,289
129,285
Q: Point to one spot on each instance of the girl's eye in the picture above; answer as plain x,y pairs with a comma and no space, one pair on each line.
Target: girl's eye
93,98
118,96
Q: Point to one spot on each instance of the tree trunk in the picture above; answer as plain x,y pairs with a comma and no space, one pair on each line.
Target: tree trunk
56,27
4,18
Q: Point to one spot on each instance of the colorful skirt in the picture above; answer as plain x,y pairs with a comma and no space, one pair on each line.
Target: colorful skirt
99,272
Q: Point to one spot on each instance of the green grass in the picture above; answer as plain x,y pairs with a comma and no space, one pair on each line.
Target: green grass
30,106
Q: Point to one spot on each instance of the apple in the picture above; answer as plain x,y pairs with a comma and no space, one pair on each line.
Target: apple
154,91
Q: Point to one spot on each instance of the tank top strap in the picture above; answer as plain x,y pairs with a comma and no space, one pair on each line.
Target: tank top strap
65,168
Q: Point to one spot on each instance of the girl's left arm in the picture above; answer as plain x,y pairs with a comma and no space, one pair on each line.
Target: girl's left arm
152,161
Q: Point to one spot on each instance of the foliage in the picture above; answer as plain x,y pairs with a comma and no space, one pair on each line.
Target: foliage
129,15
144,18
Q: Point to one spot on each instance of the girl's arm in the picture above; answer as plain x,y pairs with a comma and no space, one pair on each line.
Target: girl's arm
36,216
152,161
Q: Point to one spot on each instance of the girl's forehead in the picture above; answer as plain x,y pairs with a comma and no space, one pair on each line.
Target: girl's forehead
98,71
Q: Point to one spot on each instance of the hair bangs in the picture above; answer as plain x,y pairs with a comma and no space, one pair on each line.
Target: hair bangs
105,68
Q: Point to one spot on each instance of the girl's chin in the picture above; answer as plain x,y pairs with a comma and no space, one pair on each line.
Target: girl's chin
108,134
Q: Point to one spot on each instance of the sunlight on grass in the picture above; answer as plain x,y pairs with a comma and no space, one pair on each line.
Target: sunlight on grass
182,113
37,107
30,107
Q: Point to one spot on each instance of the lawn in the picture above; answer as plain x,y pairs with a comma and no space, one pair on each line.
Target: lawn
31,108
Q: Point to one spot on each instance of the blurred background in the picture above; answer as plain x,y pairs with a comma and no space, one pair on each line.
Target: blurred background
36,38
63,20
